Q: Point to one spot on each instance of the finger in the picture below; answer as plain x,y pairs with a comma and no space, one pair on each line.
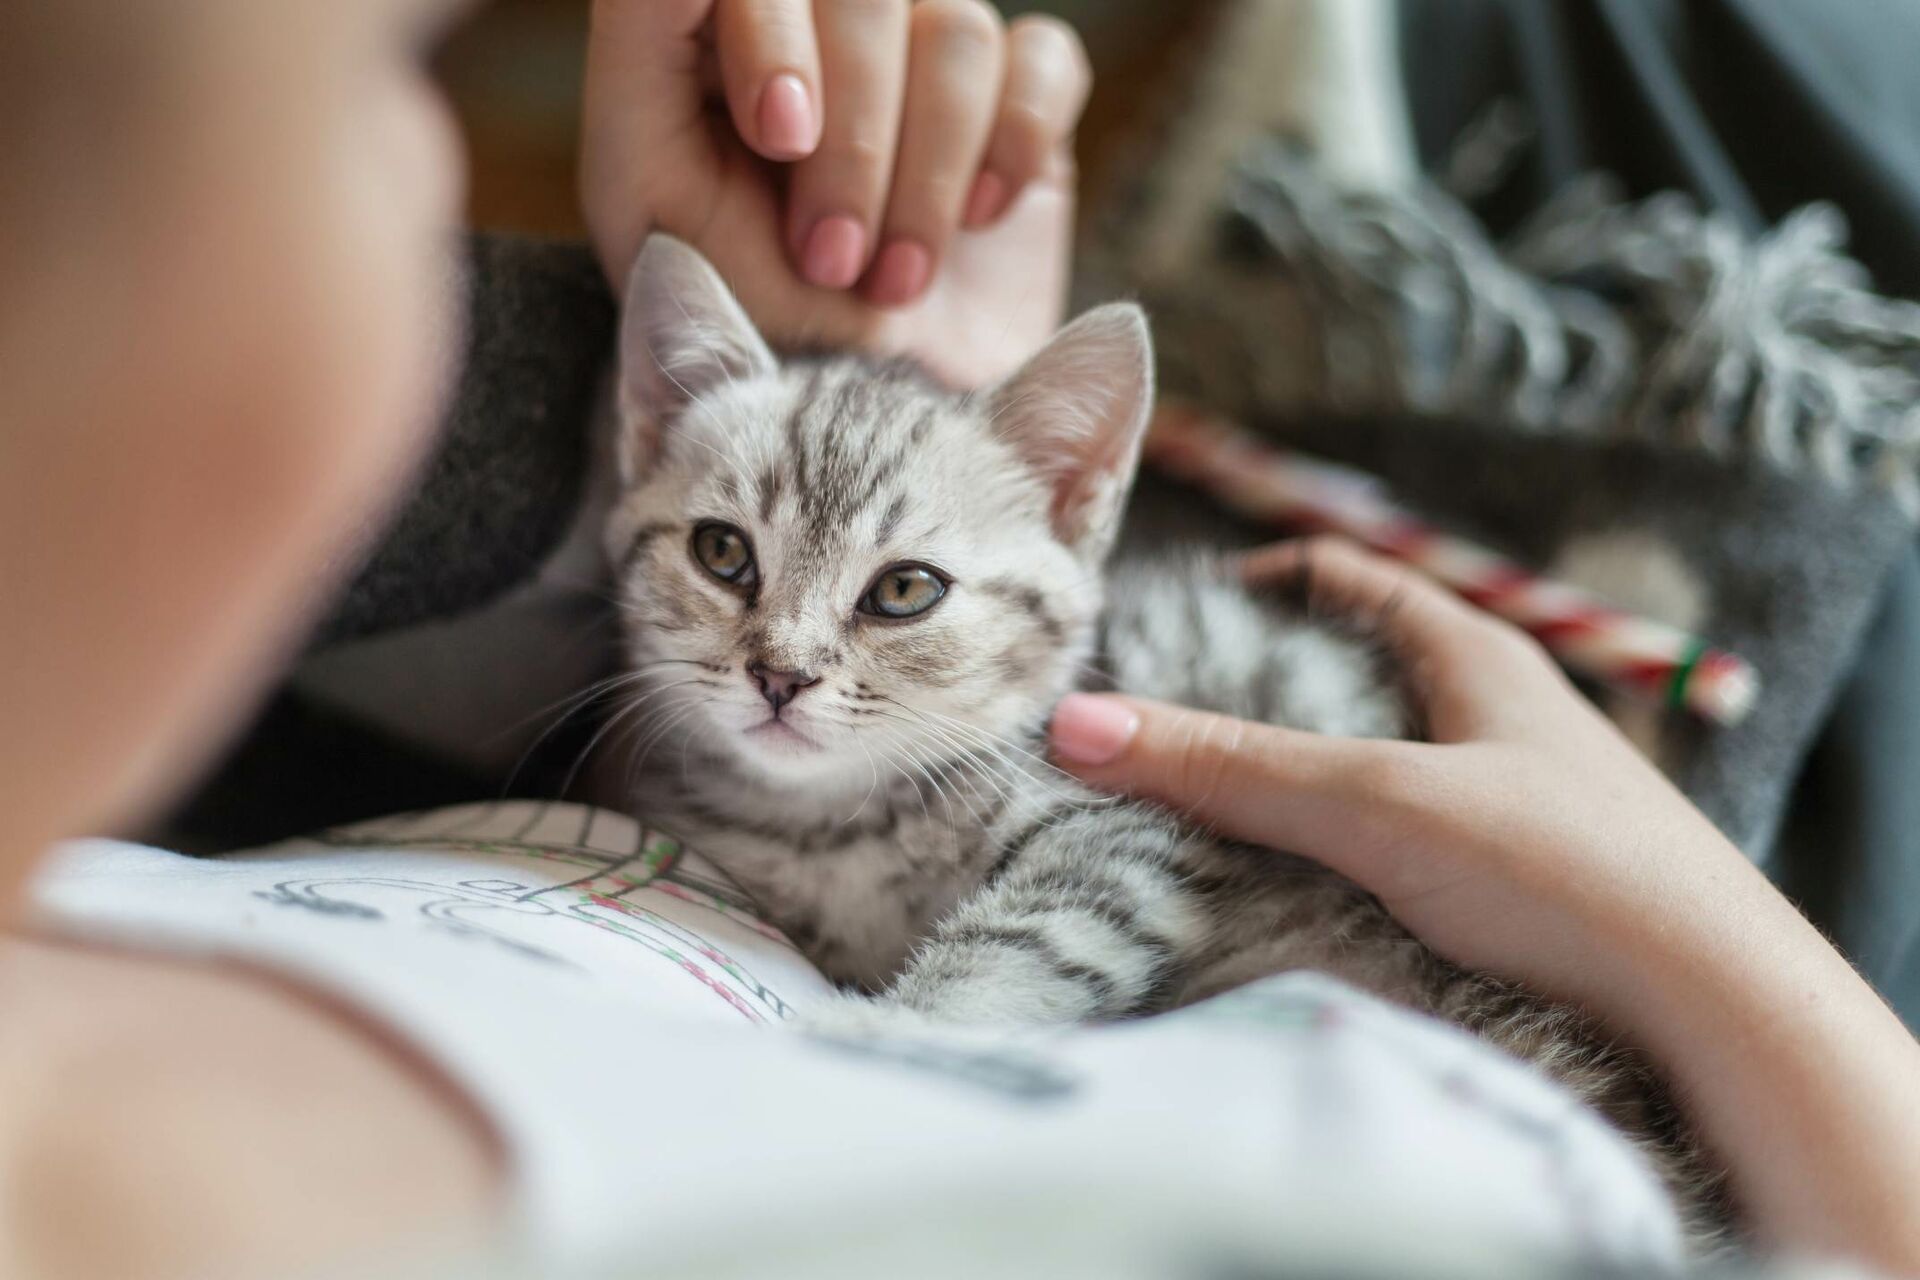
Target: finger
770,69
954,67
1318,796
1343,576
838,192
1033,245
1472,666
642,117
1047,82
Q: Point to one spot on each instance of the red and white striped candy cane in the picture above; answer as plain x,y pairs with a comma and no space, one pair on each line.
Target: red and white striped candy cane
1588,635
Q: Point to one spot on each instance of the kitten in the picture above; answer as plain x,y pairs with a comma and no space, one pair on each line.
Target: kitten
850,598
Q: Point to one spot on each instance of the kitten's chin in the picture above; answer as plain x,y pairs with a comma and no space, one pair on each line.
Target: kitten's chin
789,753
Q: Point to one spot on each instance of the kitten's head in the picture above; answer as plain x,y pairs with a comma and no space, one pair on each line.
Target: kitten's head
829,566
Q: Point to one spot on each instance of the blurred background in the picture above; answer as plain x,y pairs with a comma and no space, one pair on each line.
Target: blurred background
514,74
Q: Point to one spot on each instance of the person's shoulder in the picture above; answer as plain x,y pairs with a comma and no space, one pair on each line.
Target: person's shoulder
160,1116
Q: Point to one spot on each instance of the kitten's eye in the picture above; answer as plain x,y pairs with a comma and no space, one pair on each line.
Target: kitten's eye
722,551
904,591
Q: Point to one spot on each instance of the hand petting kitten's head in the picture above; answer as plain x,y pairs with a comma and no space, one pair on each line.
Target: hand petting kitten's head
827,562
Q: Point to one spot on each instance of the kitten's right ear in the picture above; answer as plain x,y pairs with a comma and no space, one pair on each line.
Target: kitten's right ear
682,333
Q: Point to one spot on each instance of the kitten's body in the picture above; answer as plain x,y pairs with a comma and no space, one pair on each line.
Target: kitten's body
889,811
860,872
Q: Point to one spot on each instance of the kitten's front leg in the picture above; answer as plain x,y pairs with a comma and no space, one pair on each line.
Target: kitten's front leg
1085,918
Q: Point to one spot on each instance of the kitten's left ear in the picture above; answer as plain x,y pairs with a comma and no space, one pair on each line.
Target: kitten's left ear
682,333
1078,412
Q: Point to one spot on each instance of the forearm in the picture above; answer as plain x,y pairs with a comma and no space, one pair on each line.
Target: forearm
1800,1077
1527,838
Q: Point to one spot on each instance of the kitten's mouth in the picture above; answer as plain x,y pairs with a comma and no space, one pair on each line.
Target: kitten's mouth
774,729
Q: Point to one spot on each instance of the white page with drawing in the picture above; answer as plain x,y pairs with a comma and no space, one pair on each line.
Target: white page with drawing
611,1003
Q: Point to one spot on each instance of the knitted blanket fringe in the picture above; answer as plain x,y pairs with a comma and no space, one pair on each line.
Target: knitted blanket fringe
1648,319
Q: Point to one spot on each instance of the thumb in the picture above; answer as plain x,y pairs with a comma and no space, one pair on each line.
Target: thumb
641,120
1318,796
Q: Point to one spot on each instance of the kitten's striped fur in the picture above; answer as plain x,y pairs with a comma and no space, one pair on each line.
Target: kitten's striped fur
893,816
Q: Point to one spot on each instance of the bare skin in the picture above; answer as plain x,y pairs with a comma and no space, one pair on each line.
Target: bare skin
222,330
912,110
1531,840
176,475
163,1117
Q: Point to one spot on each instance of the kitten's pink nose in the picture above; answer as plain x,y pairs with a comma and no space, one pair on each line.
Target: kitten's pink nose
779,687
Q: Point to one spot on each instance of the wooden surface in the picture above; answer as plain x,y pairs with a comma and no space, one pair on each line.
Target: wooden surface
514,74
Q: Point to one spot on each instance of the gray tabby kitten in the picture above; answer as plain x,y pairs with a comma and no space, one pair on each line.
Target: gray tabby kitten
850,599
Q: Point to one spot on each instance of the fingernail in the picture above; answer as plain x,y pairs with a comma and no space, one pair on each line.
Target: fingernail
1088,729
788,128
987,200
836,250
900,273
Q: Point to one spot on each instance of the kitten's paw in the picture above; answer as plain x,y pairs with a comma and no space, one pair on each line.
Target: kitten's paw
862,1017
851,1017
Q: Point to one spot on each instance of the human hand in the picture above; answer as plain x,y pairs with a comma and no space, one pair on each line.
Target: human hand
877,173
1526,838
1529,839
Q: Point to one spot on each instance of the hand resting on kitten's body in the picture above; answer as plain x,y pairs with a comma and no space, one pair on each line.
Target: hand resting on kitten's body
1529,839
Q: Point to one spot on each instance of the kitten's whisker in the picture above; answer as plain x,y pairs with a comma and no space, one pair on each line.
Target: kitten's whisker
986,736
985,742
923,734
961,759
933,781
966,763
630,709
672,719
1048,773
627,721
871,787
953,783
655,708
893,764
573,705
567,707
959,773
